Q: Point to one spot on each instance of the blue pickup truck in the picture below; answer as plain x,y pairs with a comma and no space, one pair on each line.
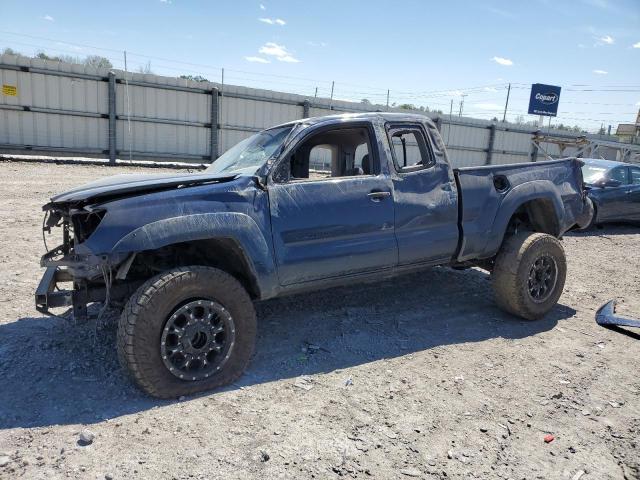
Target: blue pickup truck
310,204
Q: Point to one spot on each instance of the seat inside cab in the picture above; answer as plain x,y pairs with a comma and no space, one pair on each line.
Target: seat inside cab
340,152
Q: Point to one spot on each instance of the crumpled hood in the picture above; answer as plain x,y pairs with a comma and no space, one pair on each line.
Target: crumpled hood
121,185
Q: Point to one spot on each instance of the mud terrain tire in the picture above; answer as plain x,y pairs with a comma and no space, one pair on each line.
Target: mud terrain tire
142,329
529,274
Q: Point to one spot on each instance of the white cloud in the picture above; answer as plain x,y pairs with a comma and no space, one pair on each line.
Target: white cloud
256,60
488,106
490,89
637,104
272,21
166,2
317,44
49,18
605,40
502,61
288,59
636,45
262,7
279,51
455,93
600,72
273,49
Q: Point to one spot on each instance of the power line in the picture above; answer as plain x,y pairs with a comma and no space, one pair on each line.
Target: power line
378,94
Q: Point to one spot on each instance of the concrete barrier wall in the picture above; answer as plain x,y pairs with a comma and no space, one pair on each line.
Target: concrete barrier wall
67,109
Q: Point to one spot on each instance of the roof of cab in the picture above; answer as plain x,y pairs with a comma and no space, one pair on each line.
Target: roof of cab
364,116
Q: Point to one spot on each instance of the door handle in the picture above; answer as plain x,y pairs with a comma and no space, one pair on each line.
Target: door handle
378,195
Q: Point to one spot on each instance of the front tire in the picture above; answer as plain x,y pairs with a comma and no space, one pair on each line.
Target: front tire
529,274
187,330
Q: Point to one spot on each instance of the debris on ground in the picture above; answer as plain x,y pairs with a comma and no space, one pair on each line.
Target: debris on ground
304,382
86,437
606,315
411,472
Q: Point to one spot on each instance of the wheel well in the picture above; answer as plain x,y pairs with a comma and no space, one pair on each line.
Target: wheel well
537,215
223,253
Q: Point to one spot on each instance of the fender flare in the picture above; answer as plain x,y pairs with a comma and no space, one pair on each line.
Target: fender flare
514,199
236,226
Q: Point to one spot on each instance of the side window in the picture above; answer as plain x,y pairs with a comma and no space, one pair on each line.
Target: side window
621,174
321,157
409,149
339,152
635,175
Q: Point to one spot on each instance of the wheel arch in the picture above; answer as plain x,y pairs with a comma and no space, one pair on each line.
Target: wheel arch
536,204
230,241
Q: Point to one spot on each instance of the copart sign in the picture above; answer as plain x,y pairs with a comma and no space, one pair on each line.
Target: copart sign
544,100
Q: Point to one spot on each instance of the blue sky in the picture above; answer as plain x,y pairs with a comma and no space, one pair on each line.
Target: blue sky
427,53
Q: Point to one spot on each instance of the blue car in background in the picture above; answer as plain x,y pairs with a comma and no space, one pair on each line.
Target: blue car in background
614,189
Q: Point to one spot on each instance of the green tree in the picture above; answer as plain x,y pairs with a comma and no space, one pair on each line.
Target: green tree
97,61
10,51
195,78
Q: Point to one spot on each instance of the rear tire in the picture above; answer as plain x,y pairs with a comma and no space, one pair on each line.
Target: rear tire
529,274
223,331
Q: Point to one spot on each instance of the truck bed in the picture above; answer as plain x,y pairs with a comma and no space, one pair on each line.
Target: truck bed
489,195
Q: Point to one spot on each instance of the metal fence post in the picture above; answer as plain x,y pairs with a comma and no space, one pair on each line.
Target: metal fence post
112,118
534,147
438,123
215,115
492,139
306,108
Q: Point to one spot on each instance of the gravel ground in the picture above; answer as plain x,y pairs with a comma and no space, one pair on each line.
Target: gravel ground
421,376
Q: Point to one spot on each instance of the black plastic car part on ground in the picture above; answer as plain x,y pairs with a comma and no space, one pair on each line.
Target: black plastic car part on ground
606,316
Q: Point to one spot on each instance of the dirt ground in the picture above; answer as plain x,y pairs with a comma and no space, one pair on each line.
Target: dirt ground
421,376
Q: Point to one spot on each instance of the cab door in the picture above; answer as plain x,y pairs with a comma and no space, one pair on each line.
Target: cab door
331,210
425,197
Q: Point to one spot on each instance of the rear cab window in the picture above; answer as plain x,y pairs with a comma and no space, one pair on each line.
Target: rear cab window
409,148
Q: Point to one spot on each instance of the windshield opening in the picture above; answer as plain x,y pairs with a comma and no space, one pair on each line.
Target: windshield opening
592,173
250,154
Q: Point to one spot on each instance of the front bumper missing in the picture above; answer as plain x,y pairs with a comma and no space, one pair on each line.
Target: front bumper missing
46,294
49,294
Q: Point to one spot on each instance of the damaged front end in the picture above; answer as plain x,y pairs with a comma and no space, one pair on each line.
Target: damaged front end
88,277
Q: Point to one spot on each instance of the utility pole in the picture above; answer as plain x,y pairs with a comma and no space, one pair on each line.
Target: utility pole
506,105
462,104
315,95
387,99
333,84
